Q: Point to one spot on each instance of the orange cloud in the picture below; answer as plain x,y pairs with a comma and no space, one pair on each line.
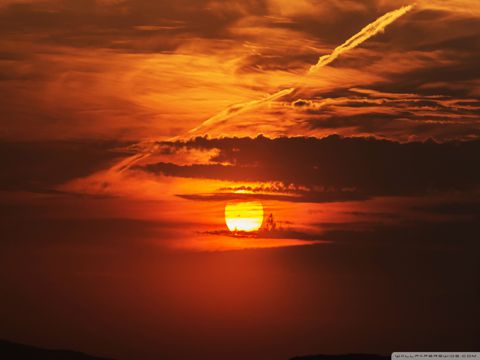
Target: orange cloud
366,33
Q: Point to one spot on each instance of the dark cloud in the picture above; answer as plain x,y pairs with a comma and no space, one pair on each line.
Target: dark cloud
353,166
408,233
454,233
39,166
465,208
297,196
402,125
133,25
274,234
21,231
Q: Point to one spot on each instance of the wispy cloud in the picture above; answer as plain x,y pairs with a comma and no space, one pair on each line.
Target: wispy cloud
367,32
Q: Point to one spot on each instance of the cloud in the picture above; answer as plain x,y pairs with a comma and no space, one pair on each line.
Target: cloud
40,166
157,77
238,109
464,7
468,207
300,196
366,33
335,167
399,116
404,233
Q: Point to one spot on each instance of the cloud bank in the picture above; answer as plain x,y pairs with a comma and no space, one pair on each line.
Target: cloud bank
334,168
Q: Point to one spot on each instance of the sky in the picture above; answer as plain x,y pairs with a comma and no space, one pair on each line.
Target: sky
143,69
128,126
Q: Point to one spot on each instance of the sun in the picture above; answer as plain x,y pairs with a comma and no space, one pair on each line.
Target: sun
244,216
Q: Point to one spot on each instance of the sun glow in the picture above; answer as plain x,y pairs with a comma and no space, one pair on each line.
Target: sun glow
244,216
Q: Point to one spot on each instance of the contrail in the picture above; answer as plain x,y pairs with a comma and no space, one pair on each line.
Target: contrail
129,161
366,33
233,110
149,147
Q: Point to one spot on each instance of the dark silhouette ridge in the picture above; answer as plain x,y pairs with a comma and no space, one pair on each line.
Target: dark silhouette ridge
14,351
342,357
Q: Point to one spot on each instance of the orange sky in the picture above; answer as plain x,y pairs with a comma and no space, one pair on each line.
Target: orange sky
138,69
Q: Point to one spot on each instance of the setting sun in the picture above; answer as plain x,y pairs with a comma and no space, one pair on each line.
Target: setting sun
244,216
